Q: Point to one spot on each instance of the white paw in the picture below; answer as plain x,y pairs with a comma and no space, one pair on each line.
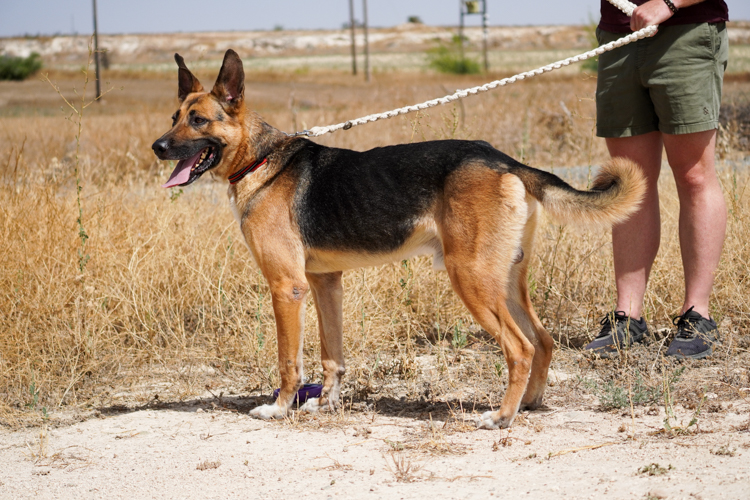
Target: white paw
486,421
267,412
312,405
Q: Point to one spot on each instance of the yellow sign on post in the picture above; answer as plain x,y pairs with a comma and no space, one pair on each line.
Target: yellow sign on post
472,7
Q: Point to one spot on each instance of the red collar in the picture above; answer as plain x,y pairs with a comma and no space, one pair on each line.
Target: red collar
238,175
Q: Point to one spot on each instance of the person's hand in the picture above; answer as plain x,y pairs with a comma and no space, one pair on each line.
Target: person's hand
648,14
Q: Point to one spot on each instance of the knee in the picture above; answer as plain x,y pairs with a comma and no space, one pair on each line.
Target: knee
519,369
522,361
290,290
695,179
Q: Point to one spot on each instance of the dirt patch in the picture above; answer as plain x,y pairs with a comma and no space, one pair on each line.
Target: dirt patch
198,448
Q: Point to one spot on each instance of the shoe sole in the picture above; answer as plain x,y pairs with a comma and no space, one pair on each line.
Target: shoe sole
601,353
697,355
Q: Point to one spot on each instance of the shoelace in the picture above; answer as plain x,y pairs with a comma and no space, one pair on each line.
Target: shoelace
685,329
607,323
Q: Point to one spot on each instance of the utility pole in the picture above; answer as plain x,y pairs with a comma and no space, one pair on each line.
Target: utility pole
484,34
461,28
367,43
469,7
96,55
354,45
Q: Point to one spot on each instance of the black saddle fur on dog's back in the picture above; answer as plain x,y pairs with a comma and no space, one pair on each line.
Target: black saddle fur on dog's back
370,200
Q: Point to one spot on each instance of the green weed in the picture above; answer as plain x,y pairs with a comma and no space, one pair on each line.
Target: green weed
616,393
459,339
19,68
450,59
174,194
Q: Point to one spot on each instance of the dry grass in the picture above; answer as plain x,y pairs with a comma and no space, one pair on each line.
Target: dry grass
170,304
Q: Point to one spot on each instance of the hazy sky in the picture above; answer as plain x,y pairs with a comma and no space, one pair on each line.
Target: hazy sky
19,17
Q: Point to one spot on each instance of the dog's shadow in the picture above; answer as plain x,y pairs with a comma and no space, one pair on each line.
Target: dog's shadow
387,406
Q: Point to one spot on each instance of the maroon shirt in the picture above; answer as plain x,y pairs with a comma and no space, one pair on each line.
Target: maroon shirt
709,11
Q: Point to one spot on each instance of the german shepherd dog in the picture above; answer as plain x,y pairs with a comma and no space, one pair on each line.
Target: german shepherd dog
309,212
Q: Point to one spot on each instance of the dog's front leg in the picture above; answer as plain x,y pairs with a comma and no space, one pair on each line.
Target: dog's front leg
328,294
288,295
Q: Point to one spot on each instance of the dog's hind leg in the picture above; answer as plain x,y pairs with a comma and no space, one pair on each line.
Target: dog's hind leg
482,224
328,294
487,303
519,305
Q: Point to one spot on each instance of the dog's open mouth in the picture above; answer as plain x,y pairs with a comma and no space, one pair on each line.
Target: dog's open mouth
190,169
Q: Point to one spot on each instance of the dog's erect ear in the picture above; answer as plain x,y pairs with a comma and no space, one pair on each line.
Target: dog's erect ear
230,84
188,83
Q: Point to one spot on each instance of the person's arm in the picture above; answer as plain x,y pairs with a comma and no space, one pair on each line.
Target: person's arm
656,12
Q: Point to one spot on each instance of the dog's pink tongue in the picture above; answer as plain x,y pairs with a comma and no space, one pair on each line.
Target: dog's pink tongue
181,173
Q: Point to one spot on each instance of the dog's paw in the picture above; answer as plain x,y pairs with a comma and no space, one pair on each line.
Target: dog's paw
532,405
267,412
488,421
313,405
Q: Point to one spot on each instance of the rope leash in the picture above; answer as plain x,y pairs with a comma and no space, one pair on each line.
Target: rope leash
624,5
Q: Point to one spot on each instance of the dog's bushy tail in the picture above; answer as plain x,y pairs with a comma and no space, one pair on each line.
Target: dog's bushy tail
615,194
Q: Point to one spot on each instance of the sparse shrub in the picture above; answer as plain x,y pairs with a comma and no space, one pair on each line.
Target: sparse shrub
615,393
414,20
449,59
654,469
208,464
724,451
19,68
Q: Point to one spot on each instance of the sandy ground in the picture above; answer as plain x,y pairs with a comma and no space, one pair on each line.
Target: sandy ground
198,449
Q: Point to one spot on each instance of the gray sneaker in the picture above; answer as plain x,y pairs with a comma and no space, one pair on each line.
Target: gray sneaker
626,332
695,337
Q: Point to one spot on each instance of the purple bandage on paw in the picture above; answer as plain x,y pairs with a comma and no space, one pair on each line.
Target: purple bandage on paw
305,392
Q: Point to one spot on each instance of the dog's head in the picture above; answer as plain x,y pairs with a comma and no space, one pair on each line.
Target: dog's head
207,129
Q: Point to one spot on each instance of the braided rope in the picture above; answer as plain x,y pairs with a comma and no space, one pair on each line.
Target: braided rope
624,5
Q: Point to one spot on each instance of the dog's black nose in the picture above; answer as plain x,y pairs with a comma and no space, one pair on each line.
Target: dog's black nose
160,146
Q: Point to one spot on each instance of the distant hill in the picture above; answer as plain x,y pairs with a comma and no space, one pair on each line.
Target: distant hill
152,51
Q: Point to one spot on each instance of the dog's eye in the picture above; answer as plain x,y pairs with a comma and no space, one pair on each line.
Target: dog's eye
174,117
199,120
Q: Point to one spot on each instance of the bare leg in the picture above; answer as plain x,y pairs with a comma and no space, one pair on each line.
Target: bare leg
703,213
635,242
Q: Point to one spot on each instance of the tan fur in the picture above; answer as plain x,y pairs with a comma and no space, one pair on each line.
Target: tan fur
610,207
424,240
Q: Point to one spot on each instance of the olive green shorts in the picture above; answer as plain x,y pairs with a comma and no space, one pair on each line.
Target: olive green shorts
670,82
